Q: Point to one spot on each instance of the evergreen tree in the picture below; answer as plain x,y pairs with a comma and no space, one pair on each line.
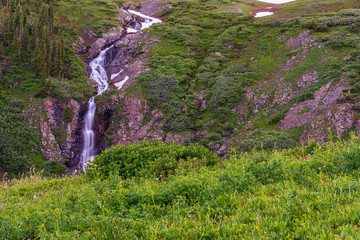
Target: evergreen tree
43,62
26,36
44,37
49,58
35,31
51,18
43,76
36,55
61,54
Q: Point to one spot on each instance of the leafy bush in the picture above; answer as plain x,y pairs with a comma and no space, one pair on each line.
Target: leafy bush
151,158
64,90
267,140
229,86
159,88
255,195
68,114
342,39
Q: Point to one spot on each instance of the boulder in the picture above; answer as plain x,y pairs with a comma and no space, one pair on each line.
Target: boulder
96,47
114,35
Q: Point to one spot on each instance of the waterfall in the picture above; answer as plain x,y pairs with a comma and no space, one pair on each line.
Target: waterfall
99,75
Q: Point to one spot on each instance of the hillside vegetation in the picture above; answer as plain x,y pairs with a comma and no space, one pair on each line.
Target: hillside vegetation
302,193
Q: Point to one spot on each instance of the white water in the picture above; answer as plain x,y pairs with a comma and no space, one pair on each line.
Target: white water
263,14
149,21
99,75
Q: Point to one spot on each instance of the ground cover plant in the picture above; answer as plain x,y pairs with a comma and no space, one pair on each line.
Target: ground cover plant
307,192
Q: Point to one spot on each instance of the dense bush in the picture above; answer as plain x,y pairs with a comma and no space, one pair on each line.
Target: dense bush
229,86
267,140
342,39
151,159
275,195
64,90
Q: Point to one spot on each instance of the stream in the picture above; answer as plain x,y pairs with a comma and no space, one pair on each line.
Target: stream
99,75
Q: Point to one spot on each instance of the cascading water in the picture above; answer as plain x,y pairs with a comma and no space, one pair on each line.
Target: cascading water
99,75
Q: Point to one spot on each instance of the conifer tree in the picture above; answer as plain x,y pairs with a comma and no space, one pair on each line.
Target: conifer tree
43,76
51,18
49,58
44,16
44,37
61,54
36,55
26,36
43,61
35,32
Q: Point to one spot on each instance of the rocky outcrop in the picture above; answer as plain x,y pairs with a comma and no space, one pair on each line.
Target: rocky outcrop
97,46
153,7
60,129
132,120
323,112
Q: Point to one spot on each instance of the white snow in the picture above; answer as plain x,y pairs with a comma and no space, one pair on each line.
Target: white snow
116,74
276,1
263,14
121,83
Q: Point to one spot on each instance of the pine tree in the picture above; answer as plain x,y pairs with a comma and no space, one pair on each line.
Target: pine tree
51,18
43,61
49,87
43,76
61,54
44,17
16,45
26,36
36,55
49,63
44,37
35,31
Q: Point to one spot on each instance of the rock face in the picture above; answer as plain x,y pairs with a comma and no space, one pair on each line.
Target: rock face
328,109
96,47
153,7
132,120
60,134
324,111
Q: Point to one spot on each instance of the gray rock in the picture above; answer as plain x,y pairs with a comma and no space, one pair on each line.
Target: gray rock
96,47
114,35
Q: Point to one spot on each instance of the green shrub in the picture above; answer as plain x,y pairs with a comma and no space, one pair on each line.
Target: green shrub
342,39
151,158
68,114
52,168
267,140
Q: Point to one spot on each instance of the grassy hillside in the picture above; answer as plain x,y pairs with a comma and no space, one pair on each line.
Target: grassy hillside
227,74
302,193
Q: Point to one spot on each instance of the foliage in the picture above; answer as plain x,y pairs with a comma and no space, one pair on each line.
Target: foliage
152,159
68,114
267,140
309,192
18,141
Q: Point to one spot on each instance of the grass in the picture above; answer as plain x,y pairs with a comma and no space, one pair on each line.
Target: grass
302,193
